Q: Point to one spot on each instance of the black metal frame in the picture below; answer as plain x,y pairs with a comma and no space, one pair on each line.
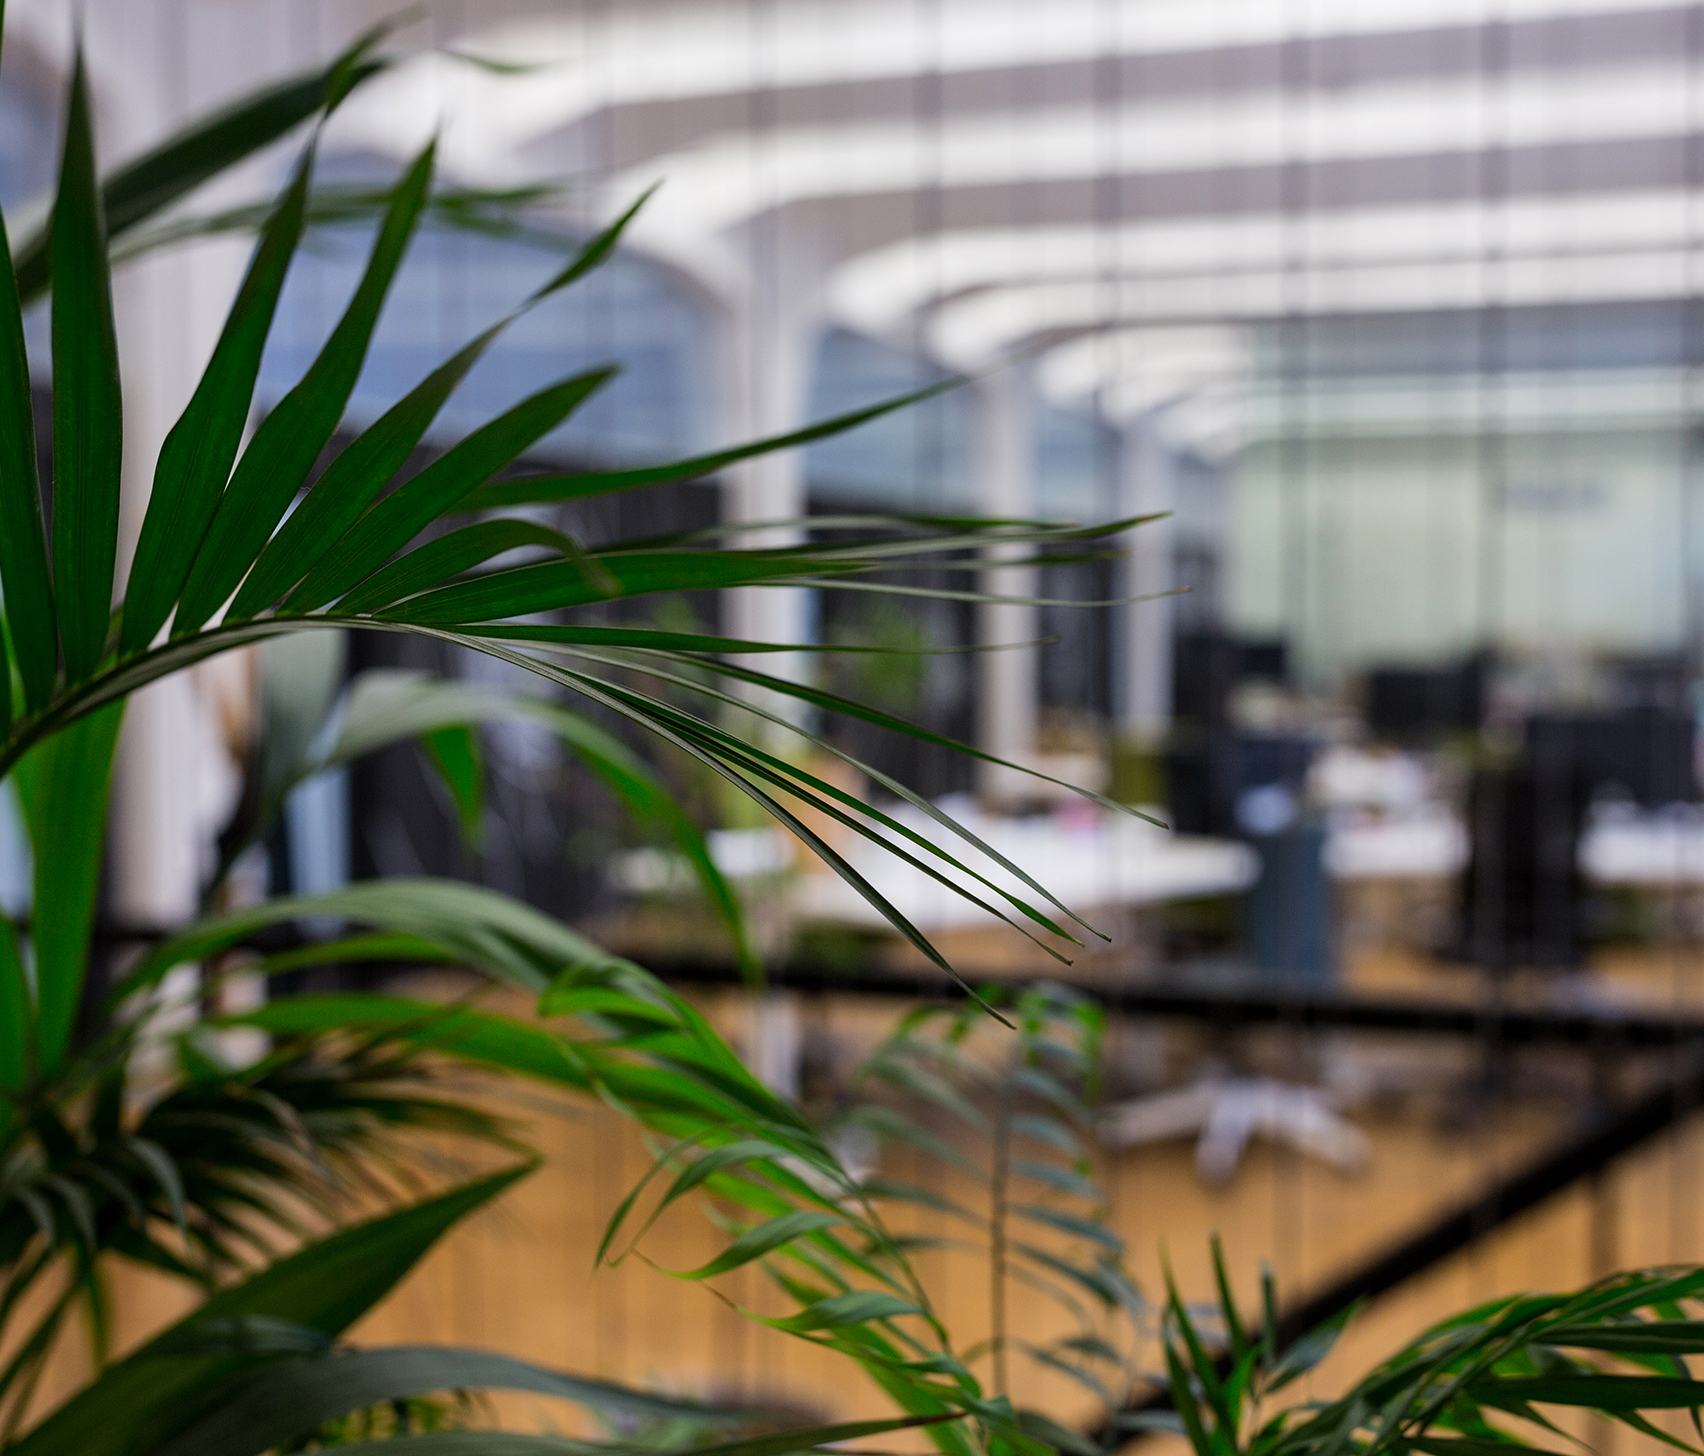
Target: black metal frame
1240,1004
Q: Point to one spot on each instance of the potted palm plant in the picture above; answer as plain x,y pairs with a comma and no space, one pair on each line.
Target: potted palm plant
202,1176
237,1179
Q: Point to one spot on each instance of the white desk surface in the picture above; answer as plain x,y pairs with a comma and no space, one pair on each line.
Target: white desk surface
1095,860
1645,848
1090,860
1620,846
1428,844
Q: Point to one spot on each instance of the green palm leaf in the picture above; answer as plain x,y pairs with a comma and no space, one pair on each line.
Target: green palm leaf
155,1393
350,483
461,550
87,406
291,1398
425,595
30,625
439,488
195,460
177,166
290,438
64,788
547,489
356,477
213,530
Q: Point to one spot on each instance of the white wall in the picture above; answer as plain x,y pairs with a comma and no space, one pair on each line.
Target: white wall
1407,548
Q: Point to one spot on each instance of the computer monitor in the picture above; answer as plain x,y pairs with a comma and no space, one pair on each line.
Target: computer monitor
1405,703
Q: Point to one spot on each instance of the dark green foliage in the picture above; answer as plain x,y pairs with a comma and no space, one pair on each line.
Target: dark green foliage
291,437
322,1289
87,407
63,787
196,458
207,1170
23,550
357,552
1450,1391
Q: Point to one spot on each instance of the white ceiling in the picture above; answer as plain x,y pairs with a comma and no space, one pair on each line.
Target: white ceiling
990,175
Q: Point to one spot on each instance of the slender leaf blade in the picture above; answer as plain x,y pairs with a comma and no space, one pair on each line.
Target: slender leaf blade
438,561
399,517
554,585
290,439
196,457
87,405
292,1398
24,580
351,483
856,1307
1598,1392
1668,1337
67,816
766,1238
542,489
155,1393
1234,1328
455,753
473,1036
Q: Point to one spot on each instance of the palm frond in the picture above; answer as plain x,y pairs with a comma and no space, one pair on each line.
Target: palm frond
1011,1122
358,551
612,1031
213,1174
228,1165
1451,1390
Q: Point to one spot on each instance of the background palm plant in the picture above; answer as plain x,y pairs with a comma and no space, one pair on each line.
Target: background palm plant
1003,1125
1489,1380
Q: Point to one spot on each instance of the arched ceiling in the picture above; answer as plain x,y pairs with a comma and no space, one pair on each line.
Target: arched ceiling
1177,177
981,176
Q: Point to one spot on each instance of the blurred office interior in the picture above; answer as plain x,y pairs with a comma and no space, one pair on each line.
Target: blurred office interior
1392,315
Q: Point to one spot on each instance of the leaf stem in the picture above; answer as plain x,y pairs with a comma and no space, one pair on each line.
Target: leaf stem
999,1194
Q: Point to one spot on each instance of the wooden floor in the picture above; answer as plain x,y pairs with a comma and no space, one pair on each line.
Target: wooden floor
518,1278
